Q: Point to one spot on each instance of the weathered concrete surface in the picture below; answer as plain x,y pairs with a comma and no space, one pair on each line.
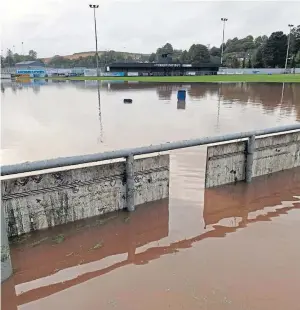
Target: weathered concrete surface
6,267
46,200
226,163
276,153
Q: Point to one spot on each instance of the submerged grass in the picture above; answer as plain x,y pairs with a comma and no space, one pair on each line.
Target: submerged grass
97,246
58,239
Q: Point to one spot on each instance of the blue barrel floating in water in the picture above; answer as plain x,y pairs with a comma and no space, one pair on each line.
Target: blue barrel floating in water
181,95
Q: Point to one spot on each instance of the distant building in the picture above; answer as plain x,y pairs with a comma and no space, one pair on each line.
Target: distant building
31,64
162,69
30,69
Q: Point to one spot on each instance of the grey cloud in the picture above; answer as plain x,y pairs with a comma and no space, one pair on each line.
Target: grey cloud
65,26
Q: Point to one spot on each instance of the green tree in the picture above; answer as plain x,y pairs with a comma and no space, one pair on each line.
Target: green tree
260,40
198,53
235,62
18,58
258,58
152,57
295,45
244,62
166,49
9,53
231,61
185,58
32,54
215,51
9,59
215,59
176,56
297,60
274,51
249,65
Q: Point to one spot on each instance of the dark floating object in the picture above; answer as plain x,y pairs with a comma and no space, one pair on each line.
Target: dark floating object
127,100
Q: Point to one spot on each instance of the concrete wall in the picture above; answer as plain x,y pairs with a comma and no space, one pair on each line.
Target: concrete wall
40,201
226,163
255,70
6,267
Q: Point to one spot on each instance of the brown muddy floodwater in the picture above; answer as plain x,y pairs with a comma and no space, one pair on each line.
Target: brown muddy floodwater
233,247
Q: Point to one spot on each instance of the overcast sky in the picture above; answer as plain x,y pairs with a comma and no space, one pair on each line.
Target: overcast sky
62,27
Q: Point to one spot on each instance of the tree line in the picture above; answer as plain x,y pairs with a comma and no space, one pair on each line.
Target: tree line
11,59
248,52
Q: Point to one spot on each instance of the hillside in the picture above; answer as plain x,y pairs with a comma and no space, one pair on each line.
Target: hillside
76,56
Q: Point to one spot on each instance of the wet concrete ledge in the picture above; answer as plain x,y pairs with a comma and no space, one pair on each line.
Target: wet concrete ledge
41,201
227,162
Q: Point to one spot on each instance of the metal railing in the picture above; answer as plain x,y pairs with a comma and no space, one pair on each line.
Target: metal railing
126,153
129,154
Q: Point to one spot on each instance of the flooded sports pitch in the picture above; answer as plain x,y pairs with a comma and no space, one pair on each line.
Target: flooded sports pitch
231,247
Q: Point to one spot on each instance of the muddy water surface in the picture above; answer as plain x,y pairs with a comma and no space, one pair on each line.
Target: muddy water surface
234,247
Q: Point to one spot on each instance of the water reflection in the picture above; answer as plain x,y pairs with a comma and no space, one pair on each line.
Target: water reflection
100,113
238,205
66,118
91,248
99,246
72,114
270,95
181,105
164,92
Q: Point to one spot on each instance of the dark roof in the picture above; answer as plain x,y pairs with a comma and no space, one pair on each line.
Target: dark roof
166,65
29,62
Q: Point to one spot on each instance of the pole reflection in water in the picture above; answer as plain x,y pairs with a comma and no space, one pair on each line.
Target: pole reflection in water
219,107
281,101
100,139
282,93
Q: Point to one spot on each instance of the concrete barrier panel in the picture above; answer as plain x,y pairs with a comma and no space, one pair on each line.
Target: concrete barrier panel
226,162
276,153
40,201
